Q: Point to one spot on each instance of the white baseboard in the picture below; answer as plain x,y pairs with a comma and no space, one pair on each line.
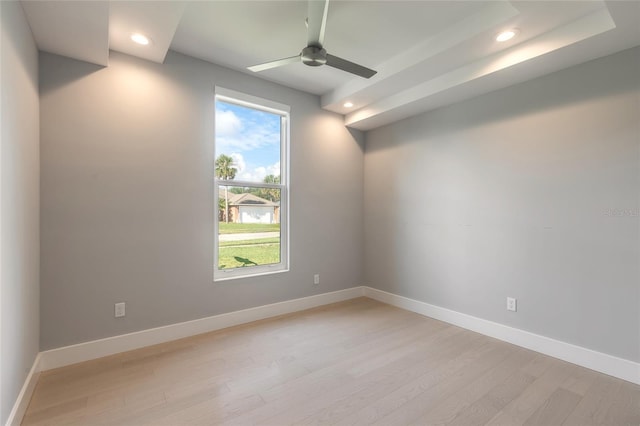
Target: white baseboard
617,367
598,361
24,397
67,355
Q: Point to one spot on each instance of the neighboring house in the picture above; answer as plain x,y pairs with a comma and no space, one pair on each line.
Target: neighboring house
249,208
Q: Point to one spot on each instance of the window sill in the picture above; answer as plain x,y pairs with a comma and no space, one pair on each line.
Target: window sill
229,276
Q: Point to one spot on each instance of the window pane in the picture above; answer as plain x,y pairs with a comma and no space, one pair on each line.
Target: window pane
248,227
248,142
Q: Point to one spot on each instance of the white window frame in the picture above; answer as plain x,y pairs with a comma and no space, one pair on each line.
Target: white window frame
243,99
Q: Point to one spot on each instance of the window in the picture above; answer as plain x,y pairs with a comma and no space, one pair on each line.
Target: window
251,186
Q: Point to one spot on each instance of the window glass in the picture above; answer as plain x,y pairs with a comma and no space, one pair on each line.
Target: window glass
250,186
251,237
251,138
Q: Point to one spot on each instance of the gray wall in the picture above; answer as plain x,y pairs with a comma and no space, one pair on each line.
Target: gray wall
510,194
19,195
127,205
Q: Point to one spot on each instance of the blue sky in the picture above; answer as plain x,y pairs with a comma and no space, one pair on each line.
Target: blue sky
251,137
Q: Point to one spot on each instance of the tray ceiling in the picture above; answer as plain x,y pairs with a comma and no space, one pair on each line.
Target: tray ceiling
427,53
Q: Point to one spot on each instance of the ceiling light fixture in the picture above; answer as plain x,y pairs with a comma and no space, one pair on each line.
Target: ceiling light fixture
507,35
348,104
140,39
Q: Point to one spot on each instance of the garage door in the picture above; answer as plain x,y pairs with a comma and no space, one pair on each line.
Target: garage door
256,214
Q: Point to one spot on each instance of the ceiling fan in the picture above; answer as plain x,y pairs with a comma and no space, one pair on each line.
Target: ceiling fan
314,54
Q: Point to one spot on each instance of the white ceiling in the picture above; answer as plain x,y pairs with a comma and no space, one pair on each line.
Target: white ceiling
427,53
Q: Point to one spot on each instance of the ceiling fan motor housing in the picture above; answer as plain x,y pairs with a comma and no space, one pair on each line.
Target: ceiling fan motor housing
314,56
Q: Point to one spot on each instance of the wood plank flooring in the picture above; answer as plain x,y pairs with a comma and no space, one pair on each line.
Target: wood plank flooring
355,362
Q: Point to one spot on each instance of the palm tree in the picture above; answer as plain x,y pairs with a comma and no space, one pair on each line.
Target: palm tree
225,170
271,194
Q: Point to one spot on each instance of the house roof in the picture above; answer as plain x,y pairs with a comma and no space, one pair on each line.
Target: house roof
246,199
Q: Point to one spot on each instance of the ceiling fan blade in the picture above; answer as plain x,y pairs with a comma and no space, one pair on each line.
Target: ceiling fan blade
316,22
274,64
348,66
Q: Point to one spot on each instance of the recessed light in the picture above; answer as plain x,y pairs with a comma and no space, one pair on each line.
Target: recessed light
507,35
348,104
140,39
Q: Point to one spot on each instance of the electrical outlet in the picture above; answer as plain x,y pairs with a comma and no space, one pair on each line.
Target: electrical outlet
316,279
512,304
119,310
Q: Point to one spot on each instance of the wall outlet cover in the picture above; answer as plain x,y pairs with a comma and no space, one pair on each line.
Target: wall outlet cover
120,310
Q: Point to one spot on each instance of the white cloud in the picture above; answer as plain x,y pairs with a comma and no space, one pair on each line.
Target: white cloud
238,163
234,133
256,174
274,169
227,124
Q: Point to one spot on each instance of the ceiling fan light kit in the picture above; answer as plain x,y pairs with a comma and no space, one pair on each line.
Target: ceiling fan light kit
314,54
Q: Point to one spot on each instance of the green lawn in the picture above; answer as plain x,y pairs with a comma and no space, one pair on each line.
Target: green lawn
243,253
243,228
248,253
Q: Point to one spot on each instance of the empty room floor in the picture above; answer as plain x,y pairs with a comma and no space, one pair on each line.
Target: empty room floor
355,362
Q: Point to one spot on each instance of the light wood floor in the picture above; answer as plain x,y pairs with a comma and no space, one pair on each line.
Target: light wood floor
356,362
